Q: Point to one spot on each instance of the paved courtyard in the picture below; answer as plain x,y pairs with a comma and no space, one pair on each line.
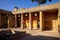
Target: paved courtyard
38,35
29,37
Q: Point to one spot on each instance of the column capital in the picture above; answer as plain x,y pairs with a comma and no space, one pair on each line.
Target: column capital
40,11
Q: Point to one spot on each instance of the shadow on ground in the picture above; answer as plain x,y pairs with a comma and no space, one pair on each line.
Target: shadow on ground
38,37
7,35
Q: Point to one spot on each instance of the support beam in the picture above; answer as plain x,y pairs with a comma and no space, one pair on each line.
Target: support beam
15,21
30,21
21,21
40,16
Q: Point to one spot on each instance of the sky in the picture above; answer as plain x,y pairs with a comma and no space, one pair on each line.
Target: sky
10,4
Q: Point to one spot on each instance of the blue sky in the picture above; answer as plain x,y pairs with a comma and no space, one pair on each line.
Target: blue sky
10,4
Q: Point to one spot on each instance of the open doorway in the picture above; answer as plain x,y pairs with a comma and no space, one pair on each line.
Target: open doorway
35,20
25,20
49,17
18,20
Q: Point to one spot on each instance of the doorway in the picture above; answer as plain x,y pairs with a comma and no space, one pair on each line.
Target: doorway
25,20
35,20
18,20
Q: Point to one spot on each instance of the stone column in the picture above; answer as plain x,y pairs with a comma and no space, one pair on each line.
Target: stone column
0,19
21,21
8,22
58,20
40,16
30,21
59,17
15,21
